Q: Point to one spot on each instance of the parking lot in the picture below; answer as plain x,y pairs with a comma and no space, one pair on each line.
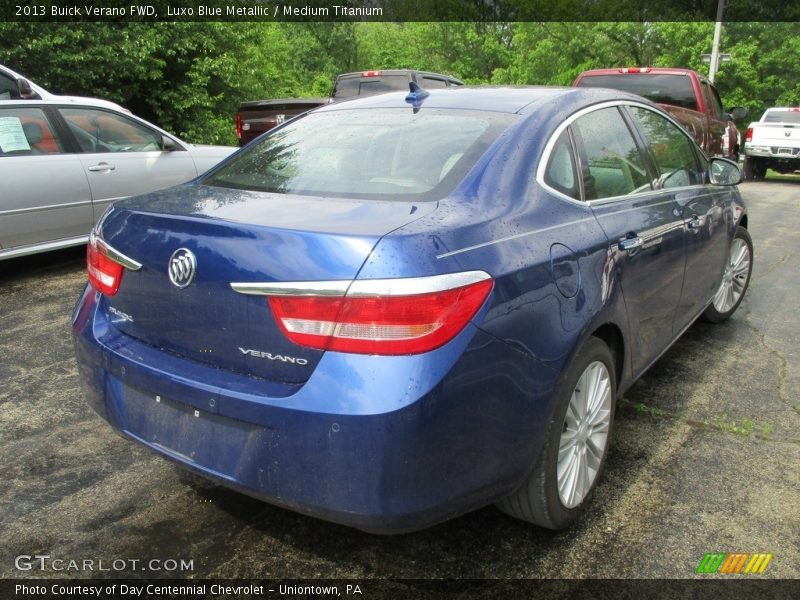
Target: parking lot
705,458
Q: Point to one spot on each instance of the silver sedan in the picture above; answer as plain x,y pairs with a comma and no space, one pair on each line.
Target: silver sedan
63,162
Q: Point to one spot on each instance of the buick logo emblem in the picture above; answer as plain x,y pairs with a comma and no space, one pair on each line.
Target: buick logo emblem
182,266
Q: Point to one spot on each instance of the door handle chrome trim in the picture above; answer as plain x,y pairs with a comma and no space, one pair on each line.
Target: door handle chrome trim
630,244
696,222
102,167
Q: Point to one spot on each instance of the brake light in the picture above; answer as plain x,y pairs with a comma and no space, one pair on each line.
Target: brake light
748,136
105,265
379,316
371,73
105,274
635,70
238,126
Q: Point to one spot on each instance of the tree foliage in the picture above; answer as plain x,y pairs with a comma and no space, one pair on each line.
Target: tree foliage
190,77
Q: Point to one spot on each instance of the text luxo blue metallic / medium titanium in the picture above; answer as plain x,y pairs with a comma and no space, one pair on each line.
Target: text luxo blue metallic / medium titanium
393,310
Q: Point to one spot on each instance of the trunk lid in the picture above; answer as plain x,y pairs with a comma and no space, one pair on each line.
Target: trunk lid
243,237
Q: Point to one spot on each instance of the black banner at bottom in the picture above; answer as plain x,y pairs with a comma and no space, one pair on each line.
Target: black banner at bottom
416,589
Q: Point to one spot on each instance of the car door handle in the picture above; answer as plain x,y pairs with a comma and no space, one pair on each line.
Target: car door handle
629,244
696,222
102,167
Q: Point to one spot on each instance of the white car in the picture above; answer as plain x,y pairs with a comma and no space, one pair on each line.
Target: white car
64,159
14,86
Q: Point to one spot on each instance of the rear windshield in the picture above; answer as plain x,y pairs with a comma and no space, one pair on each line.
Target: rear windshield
390,154
350,87
782,116
675,90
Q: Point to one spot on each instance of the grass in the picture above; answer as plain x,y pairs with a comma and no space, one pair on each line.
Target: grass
721,422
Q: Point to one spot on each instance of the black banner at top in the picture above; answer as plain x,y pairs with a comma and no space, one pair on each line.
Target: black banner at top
77,11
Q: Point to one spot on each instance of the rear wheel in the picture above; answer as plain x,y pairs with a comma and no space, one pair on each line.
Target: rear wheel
569,466
754,168
735,279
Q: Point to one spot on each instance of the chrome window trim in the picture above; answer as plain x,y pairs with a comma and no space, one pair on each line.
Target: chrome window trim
364,288
548,149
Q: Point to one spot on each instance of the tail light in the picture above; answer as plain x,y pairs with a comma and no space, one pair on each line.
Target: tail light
379,316
238,126
748,137
105,265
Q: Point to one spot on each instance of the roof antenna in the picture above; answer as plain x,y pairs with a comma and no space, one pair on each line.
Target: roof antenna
416,95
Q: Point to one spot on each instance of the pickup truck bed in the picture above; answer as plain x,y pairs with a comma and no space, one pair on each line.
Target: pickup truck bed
254,118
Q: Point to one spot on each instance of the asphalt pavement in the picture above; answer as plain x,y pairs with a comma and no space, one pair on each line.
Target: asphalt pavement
705,458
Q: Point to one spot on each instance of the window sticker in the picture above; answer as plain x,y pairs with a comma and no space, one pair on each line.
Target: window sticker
12,136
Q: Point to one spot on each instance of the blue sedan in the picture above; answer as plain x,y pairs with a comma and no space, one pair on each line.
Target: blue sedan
397,309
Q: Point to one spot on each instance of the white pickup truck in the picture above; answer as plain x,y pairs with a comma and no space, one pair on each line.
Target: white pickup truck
773,143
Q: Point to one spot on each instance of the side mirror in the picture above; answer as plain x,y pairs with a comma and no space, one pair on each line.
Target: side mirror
168,144
26,91
739,112
722,171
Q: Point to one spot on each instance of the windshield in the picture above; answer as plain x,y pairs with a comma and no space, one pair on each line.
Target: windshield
368,153
675,90
782,116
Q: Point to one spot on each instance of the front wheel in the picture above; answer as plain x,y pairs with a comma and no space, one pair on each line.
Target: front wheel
735,279
569,466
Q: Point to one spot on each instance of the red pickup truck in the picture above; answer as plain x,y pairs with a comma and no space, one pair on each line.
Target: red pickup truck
256,117
685,94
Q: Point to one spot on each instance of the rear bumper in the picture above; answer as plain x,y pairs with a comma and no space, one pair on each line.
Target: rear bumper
383,444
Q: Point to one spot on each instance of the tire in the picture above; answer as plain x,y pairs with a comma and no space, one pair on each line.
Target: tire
755,169
735,279
747,168
540,499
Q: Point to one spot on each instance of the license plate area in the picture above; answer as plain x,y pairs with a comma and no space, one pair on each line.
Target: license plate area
212,441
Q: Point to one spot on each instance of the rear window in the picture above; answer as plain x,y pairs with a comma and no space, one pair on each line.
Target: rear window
782,116
369,86
390,154
675,90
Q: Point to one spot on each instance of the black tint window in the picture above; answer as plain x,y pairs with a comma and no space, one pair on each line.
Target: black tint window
614,165
431,83
346,88
664,89
671,148
782,116
561,173
380,85
8,88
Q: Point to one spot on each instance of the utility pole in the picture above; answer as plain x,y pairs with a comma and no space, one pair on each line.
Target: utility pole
712,70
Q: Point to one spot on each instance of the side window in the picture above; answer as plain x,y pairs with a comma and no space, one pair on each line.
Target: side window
26,131
717,103
560,173
671,149
8,88
431,83
613,164
102,131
